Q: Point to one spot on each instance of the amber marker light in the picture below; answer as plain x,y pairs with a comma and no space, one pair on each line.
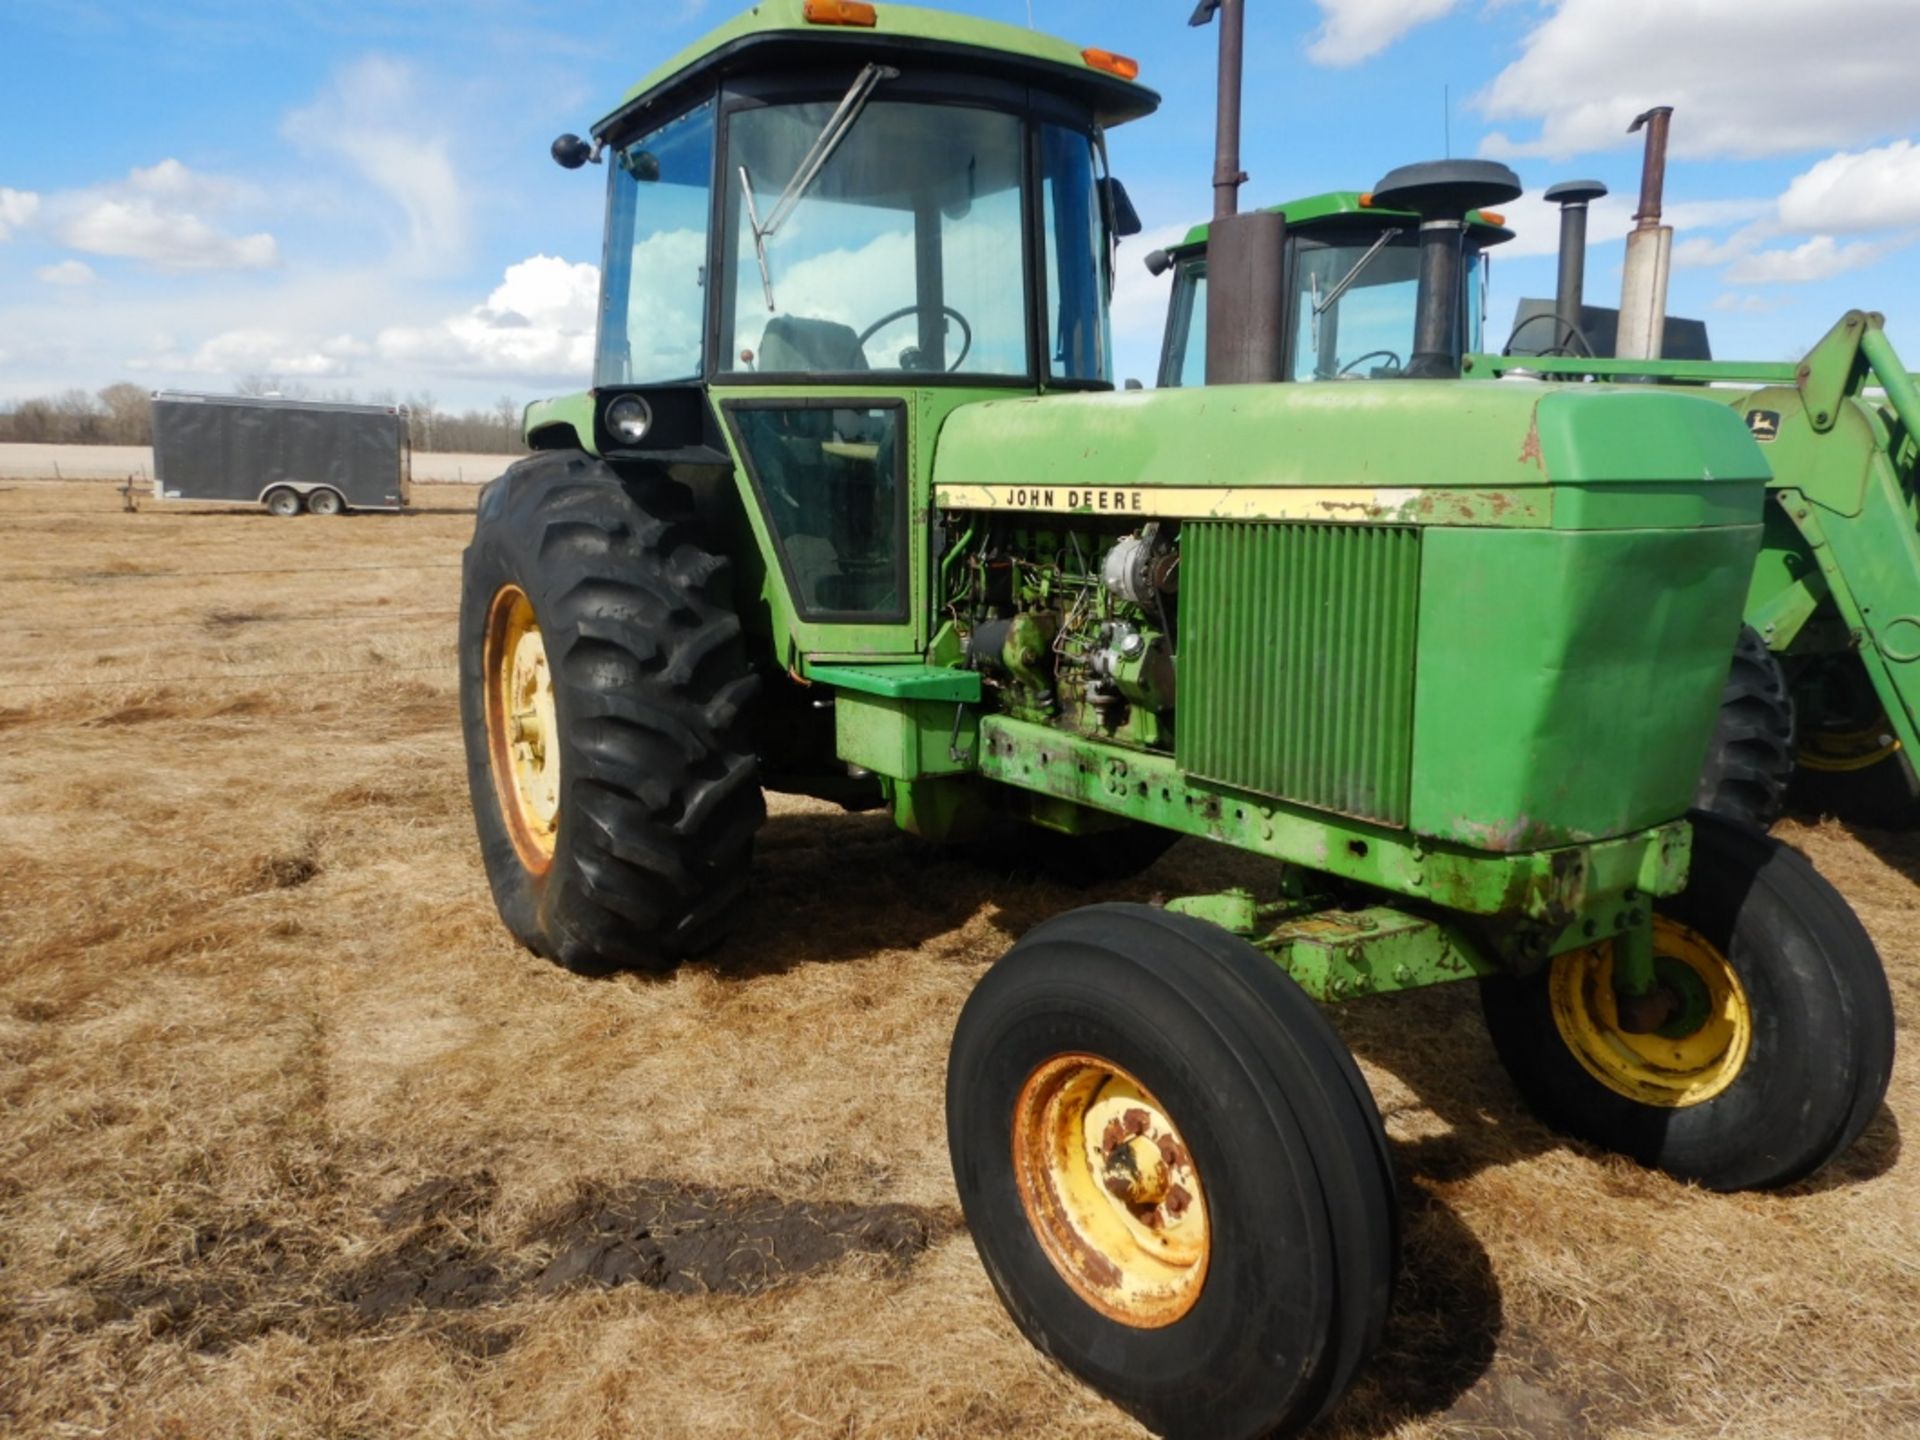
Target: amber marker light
841,12
1490,217
1366,201
1113,64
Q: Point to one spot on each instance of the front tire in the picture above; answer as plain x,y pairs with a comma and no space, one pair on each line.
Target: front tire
1173,1171
603,686
284,502
1777,1057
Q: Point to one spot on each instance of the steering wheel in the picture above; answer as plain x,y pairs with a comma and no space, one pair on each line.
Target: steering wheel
966,330
1348,368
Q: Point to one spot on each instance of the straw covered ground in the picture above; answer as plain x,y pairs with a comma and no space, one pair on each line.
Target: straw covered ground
295,1142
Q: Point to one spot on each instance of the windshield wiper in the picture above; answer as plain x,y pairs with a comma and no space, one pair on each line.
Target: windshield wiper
811,165
1346,281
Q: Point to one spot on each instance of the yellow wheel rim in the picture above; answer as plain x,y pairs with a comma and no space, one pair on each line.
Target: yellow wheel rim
1111,1190
1687,1062
1838,752
522,735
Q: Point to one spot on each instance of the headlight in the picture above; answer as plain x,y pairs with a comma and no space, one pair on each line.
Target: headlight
629,418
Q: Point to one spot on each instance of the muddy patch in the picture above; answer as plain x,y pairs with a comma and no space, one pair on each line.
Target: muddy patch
690,1241
428,1259
285,872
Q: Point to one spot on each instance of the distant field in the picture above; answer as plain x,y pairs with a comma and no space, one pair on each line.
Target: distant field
116,462
295,1142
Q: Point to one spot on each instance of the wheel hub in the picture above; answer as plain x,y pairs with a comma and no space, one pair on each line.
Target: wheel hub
521,728
1681,1044
1111,1190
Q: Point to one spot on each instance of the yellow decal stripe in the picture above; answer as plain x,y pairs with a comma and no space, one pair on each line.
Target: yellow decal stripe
1359,504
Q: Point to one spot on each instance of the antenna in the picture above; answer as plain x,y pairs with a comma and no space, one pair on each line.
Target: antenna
1030,14
1446,117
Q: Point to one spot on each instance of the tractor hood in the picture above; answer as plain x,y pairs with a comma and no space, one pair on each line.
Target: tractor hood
1391,452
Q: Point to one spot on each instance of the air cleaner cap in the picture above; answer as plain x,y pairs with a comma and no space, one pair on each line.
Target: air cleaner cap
1447,189
1575,192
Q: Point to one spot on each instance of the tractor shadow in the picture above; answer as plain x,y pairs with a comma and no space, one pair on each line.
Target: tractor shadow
1444,1329
1875,1153
831,886
1434,1043
1898,850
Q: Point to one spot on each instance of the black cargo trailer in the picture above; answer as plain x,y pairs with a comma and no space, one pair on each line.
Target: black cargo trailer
288,455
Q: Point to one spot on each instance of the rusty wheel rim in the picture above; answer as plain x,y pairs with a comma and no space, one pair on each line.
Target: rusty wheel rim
522,738
1674,1067
1111,1190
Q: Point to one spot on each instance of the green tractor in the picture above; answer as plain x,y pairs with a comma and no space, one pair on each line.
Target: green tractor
1822,701
853,509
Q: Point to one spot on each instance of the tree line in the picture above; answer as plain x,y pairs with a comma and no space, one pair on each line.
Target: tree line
121,414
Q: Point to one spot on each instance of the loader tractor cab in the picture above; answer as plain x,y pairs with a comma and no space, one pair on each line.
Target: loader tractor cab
1352,288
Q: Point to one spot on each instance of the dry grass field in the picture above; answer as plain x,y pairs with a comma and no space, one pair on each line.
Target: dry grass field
294,1142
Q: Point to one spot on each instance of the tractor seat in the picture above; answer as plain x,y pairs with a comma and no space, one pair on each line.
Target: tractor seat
793,344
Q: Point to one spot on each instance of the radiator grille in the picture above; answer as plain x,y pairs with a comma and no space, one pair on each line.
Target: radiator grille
1296,661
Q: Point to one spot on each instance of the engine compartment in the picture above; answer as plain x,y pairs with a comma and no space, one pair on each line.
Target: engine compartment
1076,626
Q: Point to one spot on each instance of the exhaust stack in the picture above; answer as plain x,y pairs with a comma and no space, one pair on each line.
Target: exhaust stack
1573,197
1245,298
1643,287
1441,193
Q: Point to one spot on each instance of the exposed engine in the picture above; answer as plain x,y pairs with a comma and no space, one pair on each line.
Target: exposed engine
1077,627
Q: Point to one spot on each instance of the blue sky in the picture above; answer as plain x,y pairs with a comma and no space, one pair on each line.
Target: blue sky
352,195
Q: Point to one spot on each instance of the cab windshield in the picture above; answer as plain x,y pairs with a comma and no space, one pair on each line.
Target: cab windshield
905,250
1353,307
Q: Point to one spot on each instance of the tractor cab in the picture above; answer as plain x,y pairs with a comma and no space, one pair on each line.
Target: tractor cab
1350,285
828,224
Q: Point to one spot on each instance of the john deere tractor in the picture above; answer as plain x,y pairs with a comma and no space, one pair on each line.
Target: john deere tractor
853,509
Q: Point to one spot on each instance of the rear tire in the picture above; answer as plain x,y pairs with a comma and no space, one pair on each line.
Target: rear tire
1289,1171
284,502
1750,760
325,502
627,844
1809,1027
1851,764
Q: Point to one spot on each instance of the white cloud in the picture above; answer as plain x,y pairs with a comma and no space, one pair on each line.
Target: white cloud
67,272
1820,258
377,116
1537,222
157,215
1751,304
538,323
258,350
17,207
1355,30
1140,305
1747,78
1855,191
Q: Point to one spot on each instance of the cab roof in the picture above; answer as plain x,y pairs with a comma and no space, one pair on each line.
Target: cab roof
776,36
1336,204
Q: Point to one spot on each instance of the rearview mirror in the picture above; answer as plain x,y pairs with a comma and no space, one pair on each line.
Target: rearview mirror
1122,218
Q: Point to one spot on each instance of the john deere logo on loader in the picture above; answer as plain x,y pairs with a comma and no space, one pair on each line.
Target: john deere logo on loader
1765,425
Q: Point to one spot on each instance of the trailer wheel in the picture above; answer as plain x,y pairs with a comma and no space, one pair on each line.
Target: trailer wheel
1750,760
325,502
1780,1042
1173,1171
283,501
602,690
